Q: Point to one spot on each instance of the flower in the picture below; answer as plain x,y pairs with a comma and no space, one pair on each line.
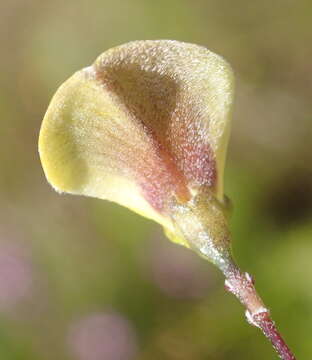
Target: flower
147,126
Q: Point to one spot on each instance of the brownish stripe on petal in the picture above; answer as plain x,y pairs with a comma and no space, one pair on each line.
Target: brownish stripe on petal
181,157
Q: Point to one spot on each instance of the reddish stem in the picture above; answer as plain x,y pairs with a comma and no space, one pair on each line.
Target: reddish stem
242,286
270,331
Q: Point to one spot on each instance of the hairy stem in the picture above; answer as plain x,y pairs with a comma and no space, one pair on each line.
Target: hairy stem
242,286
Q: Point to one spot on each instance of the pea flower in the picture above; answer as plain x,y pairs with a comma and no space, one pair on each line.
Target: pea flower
147,126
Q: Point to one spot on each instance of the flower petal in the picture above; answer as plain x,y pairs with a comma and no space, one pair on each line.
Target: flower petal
147,121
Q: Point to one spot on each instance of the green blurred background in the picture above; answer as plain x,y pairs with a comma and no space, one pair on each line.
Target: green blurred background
83,279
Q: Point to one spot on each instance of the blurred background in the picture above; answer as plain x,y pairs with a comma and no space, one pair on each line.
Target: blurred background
82,279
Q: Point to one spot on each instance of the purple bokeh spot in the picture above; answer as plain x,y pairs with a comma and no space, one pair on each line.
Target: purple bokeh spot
179,272
103,336
16,275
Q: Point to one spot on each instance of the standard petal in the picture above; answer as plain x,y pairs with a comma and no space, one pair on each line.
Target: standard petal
148,121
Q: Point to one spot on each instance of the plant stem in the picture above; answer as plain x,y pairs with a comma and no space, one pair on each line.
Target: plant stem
242,286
